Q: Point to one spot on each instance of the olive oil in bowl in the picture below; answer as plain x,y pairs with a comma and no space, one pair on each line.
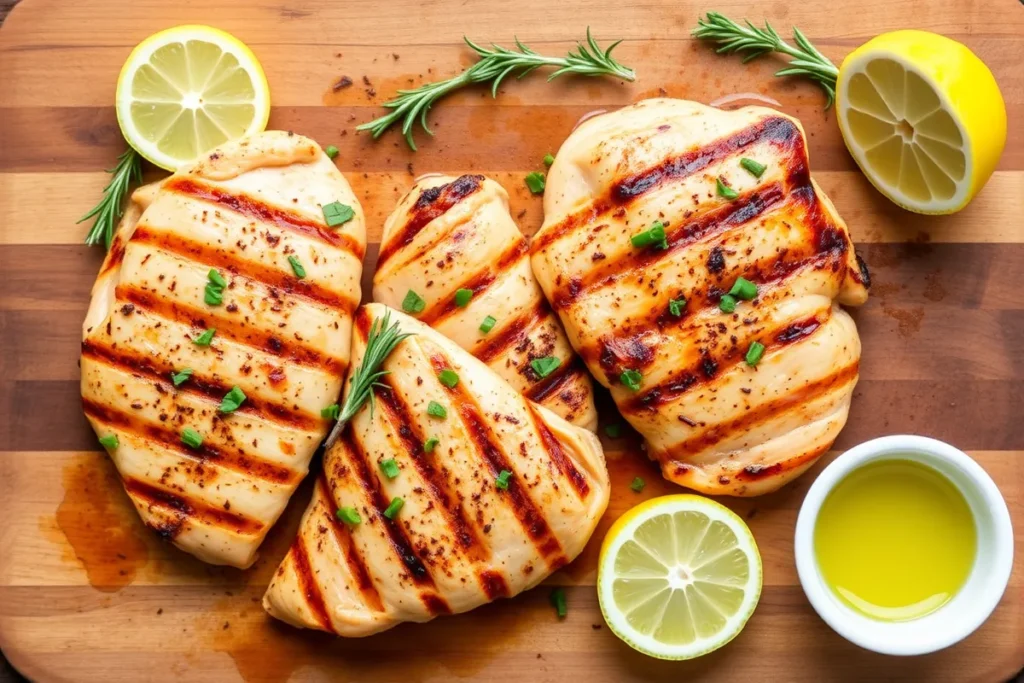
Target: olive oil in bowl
895,539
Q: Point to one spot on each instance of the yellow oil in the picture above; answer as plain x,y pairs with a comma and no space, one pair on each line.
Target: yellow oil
895,540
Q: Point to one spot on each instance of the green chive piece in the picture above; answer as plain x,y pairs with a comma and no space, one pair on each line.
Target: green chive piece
449,378
213,295
205,338
297,268
331,412
463,297
743,289
109,441
654,236
191,437
413,303
216,278
430,444
435,409
501,481
545,366
558,602
548,159
727,303
393,507
181,376
389,467
638,484
535,181
331,151
754,168
488,324
337,214
348,515
754,353
676,306
631,378
232,400
724,190
614,430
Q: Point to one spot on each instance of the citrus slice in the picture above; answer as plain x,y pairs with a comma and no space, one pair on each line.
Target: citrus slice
678,576
188,89
923,117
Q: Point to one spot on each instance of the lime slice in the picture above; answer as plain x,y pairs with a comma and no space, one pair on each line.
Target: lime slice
678,576
187,90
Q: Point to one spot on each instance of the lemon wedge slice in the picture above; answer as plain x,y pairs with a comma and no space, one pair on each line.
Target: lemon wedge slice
678,576
923,117
188,89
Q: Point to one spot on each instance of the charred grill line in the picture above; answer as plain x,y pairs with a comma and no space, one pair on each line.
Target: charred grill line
188,508
344,538
309,586
513,332
477,283
558,456
565,374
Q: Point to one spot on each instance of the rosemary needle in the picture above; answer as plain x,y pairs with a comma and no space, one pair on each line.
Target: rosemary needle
410,106
108,212
381,341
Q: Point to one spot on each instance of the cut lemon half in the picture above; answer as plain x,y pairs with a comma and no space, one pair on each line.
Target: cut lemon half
923,117
187,90
678,576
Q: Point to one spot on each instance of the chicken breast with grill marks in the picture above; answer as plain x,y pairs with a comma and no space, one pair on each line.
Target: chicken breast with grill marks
678,371
448,234
466,534
242,215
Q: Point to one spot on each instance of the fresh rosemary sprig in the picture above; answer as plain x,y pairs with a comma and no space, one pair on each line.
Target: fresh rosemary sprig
108,212
806,60
494,65
381,341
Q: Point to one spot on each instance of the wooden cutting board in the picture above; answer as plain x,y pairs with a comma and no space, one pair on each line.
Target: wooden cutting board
86,594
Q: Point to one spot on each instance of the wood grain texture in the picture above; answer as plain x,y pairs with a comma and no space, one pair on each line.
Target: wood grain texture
86,594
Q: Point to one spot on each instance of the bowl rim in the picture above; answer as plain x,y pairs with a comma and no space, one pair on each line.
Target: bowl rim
936,630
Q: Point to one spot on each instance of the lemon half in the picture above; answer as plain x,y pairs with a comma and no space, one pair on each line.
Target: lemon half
923,117
188,89
678,576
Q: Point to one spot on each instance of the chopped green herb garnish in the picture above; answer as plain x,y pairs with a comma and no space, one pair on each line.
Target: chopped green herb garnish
501,481
331,412
638,484
109,441
654,236
727,303
331,151
191,437
430,444
297,268
535,181
488,324
449,378
724,190
558,602
754,353
349,515
216,278
754,168
181,376
743,289
389,467
545,366
548,159
337,214
214,293
463,297
631,378
413,303
676,306
205,338
393,508
614,430
435,409
232,400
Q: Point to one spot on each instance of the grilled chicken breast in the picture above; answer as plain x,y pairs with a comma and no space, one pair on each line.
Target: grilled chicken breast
714,422
282,337
460,540
449,234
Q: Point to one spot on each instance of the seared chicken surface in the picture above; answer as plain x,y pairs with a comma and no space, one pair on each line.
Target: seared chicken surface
678,371
281,336
497,493
449,234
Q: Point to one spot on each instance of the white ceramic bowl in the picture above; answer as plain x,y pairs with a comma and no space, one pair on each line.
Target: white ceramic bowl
969,608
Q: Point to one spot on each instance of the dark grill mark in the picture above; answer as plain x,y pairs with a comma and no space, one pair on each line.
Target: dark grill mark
309,586
559,456
513,332
478,283
551,385
251,207
494,585
864,275
797,330
185,508
116,254
617,354
757,471
344,538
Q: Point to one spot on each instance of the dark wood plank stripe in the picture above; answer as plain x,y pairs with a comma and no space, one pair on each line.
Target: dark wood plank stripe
343,536
234,460
479,282
210,389
513,332
309,586
257,209
253,271
432,203
558,455
228,328
188,508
